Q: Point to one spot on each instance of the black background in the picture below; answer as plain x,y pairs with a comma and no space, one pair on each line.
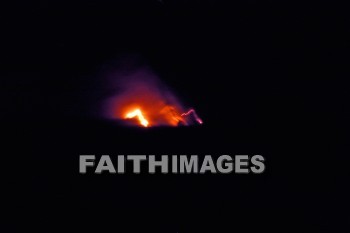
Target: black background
266,77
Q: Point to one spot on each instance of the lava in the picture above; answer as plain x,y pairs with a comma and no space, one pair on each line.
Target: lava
141,99
137,113
193,112
174,117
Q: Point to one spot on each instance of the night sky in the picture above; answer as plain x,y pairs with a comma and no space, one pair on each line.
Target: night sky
267,78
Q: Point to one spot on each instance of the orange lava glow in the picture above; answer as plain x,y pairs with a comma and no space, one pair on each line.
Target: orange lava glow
143,100
137,113
151,114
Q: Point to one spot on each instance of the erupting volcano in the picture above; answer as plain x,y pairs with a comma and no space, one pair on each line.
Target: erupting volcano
141,99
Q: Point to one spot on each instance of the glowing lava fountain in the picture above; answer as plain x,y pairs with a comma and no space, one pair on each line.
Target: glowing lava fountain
137,113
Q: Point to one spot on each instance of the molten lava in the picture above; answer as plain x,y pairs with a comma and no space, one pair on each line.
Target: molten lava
196,117
169,113
142,99
137,113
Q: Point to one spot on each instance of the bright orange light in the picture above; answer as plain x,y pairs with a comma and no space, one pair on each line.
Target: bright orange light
137,113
